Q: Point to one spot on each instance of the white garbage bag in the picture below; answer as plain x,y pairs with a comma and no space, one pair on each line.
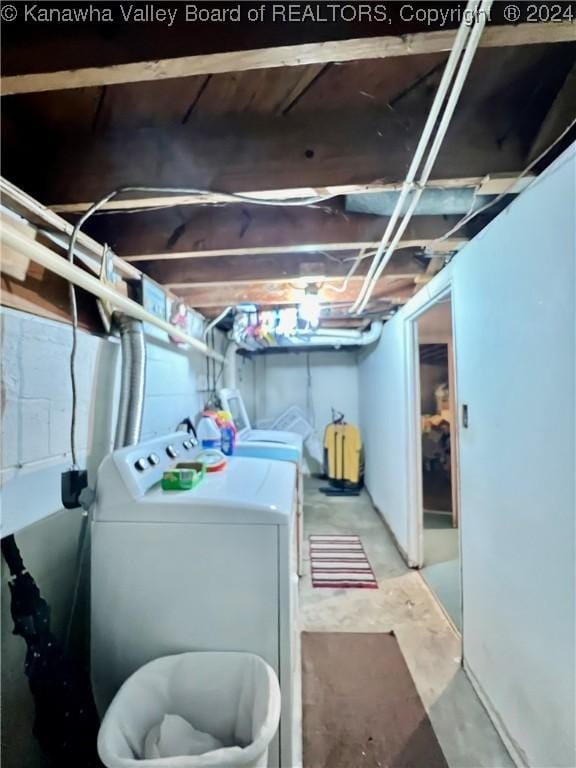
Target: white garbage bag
174,737
232,697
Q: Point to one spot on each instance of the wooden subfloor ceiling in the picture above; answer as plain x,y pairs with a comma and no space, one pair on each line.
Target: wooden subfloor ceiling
335,113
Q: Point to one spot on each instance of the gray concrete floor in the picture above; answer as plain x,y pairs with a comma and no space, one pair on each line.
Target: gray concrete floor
404,604
442,563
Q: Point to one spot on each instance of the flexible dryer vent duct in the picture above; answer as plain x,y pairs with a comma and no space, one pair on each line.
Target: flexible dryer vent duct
131,406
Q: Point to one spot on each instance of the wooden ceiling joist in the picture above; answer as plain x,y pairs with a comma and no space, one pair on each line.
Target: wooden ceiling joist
263,269
88,250
284,293
445,246
236,231
281,56
269,156
490,184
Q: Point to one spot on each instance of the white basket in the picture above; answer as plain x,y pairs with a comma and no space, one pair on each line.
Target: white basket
294,420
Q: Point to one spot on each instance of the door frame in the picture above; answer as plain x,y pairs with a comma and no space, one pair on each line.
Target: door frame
415,500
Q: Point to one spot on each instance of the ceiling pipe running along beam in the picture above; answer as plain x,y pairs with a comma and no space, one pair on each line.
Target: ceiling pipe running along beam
448,74
334,337
73,274
471,39
329,337
343,333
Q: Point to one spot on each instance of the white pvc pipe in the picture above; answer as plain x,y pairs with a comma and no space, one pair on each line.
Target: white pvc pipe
332,337
451,64
73,274
215,322
343,333
434,150
230,369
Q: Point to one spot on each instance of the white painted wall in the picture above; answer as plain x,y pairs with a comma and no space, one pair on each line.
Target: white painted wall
246,383
514,321
281,380
383,408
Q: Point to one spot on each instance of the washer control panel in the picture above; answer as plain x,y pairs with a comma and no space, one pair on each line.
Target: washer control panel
163,455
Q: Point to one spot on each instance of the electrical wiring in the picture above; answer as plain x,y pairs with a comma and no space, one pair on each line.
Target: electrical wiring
472,214
74,404
253,201
310,412
461,74
341,288
468,45
370,253
225,196
364,253
408,184
222,366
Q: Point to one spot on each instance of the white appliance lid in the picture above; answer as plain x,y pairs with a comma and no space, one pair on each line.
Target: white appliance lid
274,436
247,491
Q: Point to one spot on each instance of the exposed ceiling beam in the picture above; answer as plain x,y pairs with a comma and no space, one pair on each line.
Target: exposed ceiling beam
490,184
263,269
235,231
282,56
394,291
88,250
298,283
326,153
445,246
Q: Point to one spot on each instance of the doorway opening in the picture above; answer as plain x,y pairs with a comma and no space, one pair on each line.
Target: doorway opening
436,423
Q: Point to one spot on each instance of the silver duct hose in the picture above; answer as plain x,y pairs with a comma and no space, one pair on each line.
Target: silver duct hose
133,377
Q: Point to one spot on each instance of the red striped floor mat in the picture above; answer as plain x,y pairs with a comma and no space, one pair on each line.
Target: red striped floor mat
339,562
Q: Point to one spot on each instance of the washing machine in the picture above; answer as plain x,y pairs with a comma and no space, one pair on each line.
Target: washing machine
269,444
212,568
288,443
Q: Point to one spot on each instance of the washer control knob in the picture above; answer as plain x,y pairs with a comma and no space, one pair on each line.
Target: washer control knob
187,444
154,459
141,464
171,451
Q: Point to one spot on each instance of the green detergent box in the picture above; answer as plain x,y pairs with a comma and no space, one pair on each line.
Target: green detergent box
183,477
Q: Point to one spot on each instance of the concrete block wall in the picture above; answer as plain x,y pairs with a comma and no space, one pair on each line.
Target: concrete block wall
36,387
316,382
36,406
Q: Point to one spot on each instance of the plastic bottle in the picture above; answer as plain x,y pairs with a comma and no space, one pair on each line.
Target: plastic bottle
209,435
228,431
227,441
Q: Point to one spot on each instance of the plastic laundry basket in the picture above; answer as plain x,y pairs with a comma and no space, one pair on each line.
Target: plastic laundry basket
232,696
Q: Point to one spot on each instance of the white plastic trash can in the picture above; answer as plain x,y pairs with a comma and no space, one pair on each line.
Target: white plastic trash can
233,697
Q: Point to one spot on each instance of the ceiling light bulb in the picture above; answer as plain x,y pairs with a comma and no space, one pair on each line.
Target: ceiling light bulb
309,310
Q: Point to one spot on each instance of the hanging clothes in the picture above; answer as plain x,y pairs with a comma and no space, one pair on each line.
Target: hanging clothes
343,453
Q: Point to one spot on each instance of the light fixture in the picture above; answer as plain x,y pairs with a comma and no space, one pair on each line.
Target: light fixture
309,309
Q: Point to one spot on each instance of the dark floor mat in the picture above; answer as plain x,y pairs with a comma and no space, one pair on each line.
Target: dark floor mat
361,708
